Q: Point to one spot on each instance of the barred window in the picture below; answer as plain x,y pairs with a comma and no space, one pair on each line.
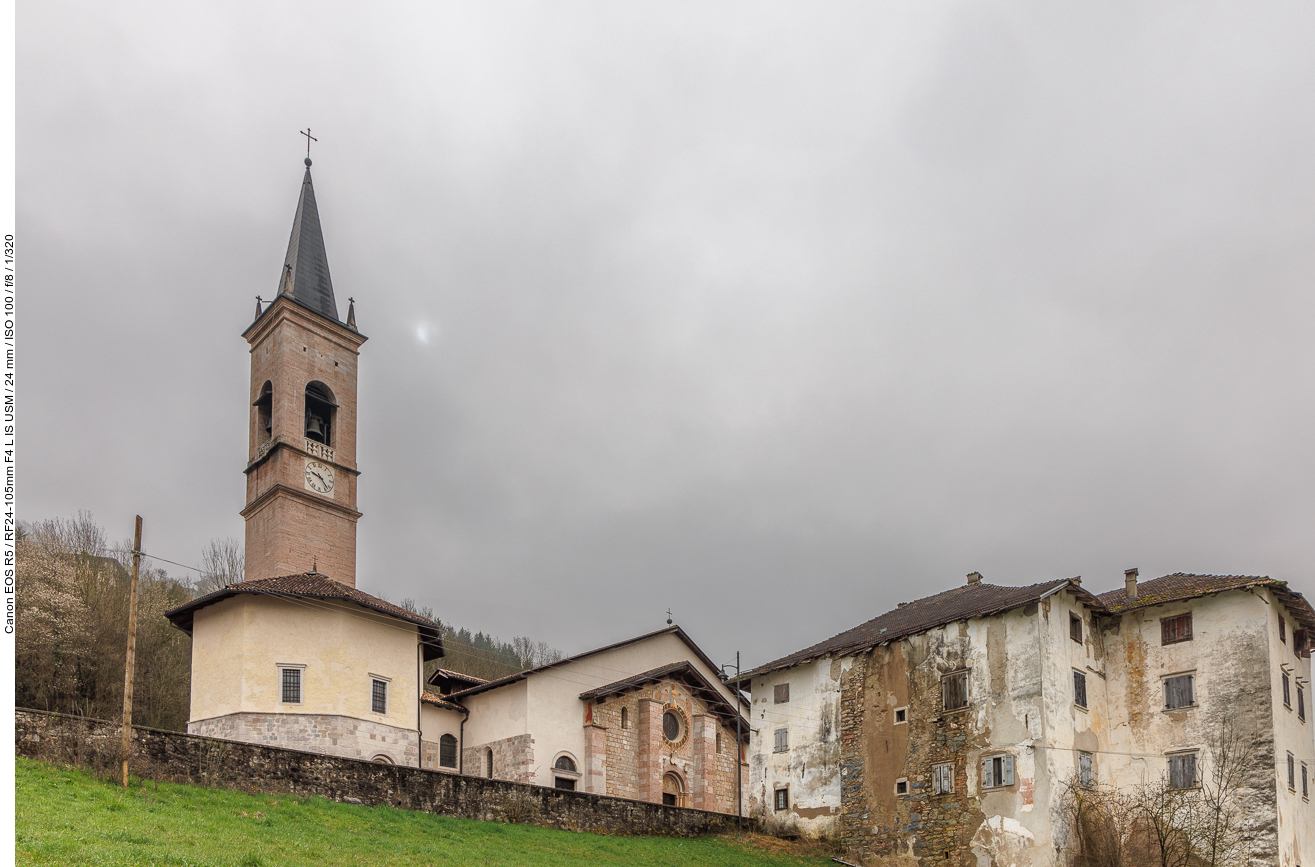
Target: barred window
1079,689
783,799
291,685
781,693
1305,791
1179,691
1301,702
1182,771
1287,691
379,696
901,787
447,751
782,740
1086,776
1175,629
954,690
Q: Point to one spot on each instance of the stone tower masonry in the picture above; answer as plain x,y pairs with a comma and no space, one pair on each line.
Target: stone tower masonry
301,467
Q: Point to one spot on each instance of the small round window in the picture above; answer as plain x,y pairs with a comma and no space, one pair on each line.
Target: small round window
671,726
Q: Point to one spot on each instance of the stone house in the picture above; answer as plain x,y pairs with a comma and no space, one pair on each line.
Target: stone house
647,718
945,730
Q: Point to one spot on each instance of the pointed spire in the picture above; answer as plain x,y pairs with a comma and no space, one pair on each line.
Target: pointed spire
258,309
351,313
306,267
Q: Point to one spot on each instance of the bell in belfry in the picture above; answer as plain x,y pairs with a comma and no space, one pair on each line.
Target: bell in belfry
314,427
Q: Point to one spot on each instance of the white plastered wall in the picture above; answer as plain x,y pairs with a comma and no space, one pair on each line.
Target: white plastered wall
239,643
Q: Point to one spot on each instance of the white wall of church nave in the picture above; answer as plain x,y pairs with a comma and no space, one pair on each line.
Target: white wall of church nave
239,644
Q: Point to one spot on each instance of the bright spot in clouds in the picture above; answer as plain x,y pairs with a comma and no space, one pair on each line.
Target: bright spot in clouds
424,333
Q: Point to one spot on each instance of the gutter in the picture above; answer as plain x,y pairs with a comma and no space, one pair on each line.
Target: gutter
461,741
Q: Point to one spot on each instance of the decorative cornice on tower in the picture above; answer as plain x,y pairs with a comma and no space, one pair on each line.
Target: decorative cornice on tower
305,276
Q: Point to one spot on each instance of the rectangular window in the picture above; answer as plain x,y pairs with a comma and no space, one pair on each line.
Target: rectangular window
1292,773
1305,790
1282,630
1299,648
291,682
566,784
901,787
942,779
997,771
1075,628
1182,771
1179,691
1301,702
1287,691
783,799
379,696
447,752
1079,689
1086,777
901,715
781,693
954,690
1175,629
782,740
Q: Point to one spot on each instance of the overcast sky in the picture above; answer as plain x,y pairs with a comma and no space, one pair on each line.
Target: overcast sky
772,314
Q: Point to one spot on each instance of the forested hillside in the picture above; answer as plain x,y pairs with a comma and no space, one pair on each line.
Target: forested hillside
72,627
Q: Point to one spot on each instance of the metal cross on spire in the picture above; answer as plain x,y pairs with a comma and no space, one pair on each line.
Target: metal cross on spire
309,138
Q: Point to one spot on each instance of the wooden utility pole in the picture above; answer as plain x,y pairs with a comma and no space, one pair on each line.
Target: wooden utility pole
132,649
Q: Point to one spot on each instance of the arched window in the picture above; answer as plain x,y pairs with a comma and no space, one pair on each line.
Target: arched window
488,763
625,721
382,759
565,773
265,412
447,751
320,409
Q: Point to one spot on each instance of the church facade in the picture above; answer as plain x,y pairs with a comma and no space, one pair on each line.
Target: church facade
297,657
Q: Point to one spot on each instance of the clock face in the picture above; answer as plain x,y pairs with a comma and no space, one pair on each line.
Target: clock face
319,477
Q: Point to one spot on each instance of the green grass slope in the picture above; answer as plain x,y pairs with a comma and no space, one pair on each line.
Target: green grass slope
68,817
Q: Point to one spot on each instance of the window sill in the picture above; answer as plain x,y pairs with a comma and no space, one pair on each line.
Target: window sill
1179,709
1081,707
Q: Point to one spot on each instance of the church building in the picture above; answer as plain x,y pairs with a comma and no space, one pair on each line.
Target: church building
297,657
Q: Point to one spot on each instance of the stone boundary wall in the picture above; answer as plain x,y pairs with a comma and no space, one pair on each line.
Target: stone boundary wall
184,758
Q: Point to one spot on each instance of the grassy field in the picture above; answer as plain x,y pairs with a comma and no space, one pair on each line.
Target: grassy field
68,817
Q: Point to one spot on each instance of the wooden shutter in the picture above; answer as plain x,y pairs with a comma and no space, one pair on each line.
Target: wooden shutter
782,740
1178,691
781,693
1174,629
944,779
954,690
988,781
1008,779
1287,691
1080,689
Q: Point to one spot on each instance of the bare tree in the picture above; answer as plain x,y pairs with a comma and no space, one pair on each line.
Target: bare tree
1218,834
222,563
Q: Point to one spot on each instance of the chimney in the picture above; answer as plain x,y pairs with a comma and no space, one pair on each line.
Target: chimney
1129,585
974,577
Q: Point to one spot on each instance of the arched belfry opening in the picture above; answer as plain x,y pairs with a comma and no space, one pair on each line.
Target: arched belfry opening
320,410
265,412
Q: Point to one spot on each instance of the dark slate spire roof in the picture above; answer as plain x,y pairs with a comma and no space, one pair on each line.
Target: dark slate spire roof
305,276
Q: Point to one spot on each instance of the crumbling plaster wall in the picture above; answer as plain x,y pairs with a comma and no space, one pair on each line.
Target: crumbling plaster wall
969,826
810,768
1235,680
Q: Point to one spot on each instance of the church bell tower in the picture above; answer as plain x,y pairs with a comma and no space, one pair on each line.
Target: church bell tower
301,467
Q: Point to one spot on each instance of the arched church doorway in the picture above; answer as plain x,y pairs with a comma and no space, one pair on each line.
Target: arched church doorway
672,790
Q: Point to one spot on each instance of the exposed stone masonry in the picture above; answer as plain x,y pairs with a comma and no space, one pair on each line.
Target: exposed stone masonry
177,757
322,733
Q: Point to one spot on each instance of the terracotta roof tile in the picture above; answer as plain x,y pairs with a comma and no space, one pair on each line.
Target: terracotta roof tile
969,600
439,701
1181,586
310,585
